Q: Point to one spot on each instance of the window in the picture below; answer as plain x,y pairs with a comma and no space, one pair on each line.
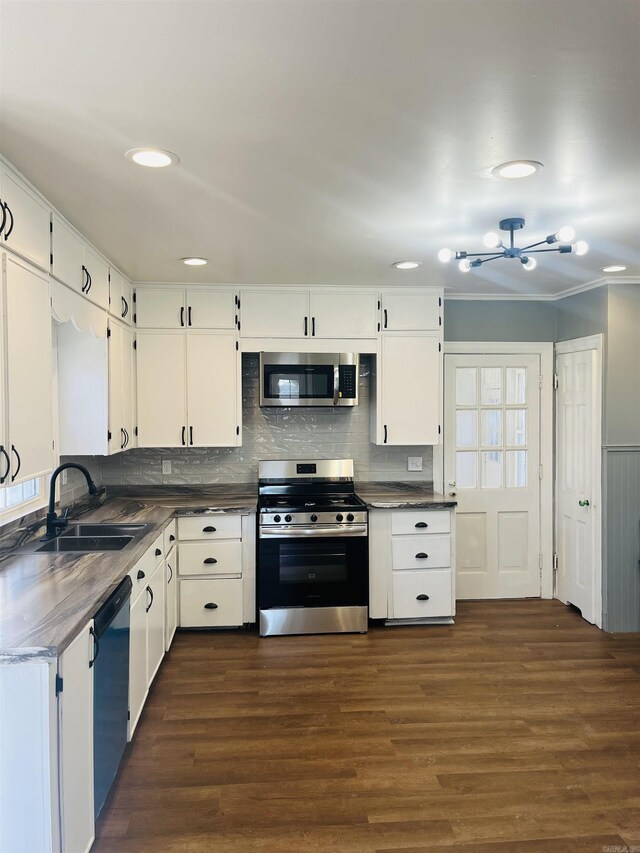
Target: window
21,499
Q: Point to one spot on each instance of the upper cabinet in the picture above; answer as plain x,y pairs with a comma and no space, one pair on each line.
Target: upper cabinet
24,220
308,314
411,311
166,307
76,264
120,297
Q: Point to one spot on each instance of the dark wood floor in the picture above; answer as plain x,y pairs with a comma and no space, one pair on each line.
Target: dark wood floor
517,729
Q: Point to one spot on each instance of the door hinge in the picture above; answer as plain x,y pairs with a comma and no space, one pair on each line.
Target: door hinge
108,332
135,318
51,226
439,301
439,429
539,472
237,430
136,431
109,435
439,347
128,715
135,344
378,304
51,258
555,562
555,381
540,562
440,320
378,326
540,381
237,346
59,684
133,296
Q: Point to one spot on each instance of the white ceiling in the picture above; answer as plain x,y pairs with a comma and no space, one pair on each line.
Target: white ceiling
321,140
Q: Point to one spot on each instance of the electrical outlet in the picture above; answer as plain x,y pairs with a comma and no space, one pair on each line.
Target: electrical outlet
414,463
63,477
166,466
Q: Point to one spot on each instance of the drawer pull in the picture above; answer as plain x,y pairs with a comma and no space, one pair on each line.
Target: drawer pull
422,597
421,555
158,552
208,529
422,524
211,606
140,574
210,561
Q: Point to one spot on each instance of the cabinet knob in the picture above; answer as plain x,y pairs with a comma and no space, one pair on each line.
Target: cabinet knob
158,552
422,597
211,606
140,574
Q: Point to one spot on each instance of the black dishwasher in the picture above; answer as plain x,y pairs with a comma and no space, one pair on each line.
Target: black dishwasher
110,689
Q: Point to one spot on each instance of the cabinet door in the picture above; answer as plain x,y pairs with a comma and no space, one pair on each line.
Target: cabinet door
274,314
422,594
116,293
116,388
67,249
344,315
171,601
211,309
29,371
213,389
161,389
26,229
155,593
409,389
137,659
75,708
128,390
97,287
410,312
160,308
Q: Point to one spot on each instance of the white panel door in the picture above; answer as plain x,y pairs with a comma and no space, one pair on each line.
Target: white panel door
67,248
275,314
575,526
76,744
26,227
211,309
160,308
344,315
29,370
213,393
161,389
491,462
405,312
409,388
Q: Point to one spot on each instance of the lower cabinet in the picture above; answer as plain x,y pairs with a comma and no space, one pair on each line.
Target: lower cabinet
171,597
138,685
217,570
155,622
412,565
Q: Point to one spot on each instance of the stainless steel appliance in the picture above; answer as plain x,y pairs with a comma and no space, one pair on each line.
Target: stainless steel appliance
308,379
313,556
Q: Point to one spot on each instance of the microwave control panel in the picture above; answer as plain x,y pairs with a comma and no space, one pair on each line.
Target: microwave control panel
348,381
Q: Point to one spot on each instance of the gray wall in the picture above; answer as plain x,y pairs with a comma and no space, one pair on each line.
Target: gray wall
499,320
581,315
272,433
622,394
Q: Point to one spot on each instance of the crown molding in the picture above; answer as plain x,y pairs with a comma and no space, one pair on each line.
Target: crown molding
549,297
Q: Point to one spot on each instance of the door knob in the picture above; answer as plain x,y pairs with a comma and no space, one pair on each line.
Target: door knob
452,482
584,503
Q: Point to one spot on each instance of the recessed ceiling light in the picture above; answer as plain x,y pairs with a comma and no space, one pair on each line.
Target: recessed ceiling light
194,262
517,169
406,265
155,158
614,268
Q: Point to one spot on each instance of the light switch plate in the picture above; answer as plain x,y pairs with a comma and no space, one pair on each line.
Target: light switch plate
166,466
414,463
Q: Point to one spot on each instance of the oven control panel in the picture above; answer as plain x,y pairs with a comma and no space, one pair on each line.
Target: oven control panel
312,519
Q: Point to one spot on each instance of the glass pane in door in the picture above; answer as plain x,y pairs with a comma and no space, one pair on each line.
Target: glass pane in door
466,386
491,386
466,428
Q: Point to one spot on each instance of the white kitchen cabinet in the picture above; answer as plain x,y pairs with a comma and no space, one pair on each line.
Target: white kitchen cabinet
97,269
171,597
25,220
416,311
275,314
155,621
421,595
188,389
343,315
120,304
77,264
138,683
407,403
75,711
211,603
191,308
121,432
26,421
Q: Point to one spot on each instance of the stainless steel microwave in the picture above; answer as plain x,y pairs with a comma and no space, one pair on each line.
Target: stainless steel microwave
308,379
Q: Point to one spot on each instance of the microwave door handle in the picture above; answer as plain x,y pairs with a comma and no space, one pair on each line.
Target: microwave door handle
336,384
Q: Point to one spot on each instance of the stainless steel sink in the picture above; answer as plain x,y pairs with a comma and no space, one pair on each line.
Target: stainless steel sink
85,544
106,529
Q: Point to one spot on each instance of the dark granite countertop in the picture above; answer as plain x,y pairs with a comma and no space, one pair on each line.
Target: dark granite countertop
193,500
399,495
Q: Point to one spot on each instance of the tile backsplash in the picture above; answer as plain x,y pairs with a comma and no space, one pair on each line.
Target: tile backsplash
273,433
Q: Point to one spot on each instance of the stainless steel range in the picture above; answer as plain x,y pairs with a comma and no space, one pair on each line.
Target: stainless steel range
313,557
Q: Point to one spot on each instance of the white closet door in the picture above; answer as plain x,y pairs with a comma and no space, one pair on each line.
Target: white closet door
161,389
213,393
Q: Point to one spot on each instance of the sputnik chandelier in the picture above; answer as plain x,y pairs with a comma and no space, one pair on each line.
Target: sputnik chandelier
492,241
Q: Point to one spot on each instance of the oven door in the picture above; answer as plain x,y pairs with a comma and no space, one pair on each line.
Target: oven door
298,379
312,571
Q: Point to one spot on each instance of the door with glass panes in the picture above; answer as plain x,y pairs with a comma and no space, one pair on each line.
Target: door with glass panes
491,464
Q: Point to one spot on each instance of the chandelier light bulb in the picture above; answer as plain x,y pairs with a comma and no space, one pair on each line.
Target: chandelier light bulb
581,247
445,255
464,265
529,263
491,240
565,234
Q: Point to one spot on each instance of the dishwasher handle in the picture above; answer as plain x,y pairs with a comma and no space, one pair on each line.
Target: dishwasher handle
96,647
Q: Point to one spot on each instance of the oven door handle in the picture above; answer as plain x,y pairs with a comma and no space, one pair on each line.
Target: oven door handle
287,531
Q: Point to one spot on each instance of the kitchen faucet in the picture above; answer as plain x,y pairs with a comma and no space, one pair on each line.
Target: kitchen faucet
56,525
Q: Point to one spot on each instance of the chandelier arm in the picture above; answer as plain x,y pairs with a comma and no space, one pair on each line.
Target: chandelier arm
493,258
537,251
542,242
484,254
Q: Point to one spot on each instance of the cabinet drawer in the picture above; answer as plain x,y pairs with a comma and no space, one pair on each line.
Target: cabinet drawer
225,594
141,573
169,536
408,586
223,526
211,558
405,551
421,521
157,550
